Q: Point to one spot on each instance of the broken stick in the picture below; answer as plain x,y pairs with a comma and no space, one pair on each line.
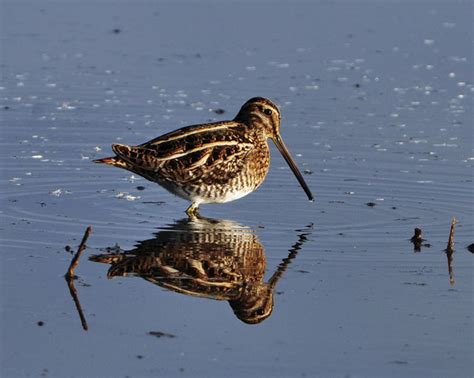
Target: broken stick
450,247
417,239
70,272
450,251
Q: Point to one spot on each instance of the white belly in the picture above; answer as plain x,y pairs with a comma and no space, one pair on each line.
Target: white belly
197,198
231,196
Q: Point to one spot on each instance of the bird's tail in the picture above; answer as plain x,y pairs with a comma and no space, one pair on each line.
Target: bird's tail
114,161
119,160
107,160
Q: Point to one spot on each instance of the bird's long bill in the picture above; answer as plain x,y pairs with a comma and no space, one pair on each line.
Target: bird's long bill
286,154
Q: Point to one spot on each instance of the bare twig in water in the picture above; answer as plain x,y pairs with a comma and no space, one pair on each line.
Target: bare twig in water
451,236
69,276
75,260
417,239
450,251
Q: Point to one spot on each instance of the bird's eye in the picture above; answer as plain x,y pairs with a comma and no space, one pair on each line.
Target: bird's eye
267,111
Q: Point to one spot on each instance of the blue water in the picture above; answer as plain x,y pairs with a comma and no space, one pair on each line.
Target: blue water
376,103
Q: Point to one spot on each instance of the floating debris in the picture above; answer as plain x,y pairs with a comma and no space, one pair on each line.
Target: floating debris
66,106
132,178
56,192
371,204
219,111
417,239
399,362
59,192
161,334
127,196
154,202
418,236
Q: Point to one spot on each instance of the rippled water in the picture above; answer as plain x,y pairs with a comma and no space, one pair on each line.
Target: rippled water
376,102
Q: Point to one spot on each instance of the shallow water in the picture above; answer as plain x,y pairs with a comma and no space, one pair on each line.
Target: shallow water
376,102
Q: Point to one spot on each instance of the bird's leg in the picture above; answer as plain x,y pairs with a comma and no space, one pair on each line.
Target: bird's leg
193,210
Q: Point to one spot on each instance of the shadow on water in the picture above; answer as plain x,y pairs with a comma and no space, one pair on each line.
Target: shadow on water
208,258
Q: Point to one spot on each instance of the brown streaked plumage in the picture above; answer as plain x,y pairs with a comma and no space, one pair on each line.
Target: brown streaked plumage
214,162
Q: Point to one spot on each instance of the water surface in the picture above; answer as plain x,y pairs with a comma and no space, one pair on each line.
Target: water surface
376,102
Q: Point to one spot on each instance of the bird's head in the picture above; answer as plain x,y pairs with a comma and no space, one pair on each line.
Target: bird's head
262,113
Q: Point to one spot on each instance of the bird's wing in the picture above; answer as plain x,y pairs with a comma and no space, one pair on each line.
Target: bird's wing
192,130
187,153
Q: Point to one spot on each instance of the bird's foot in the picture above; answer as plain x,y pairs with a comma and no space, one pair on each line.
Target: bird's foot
193,211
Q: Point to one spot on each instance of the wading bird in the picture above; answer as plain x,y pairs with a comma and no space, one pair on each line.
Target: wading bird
211,162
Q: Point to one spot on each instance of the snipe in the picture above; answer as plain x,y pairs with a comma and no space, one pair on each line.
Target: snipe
212,162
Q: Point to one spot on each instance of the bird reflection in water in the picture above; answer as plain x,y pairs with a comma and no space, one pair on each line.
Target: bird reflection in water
215,259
